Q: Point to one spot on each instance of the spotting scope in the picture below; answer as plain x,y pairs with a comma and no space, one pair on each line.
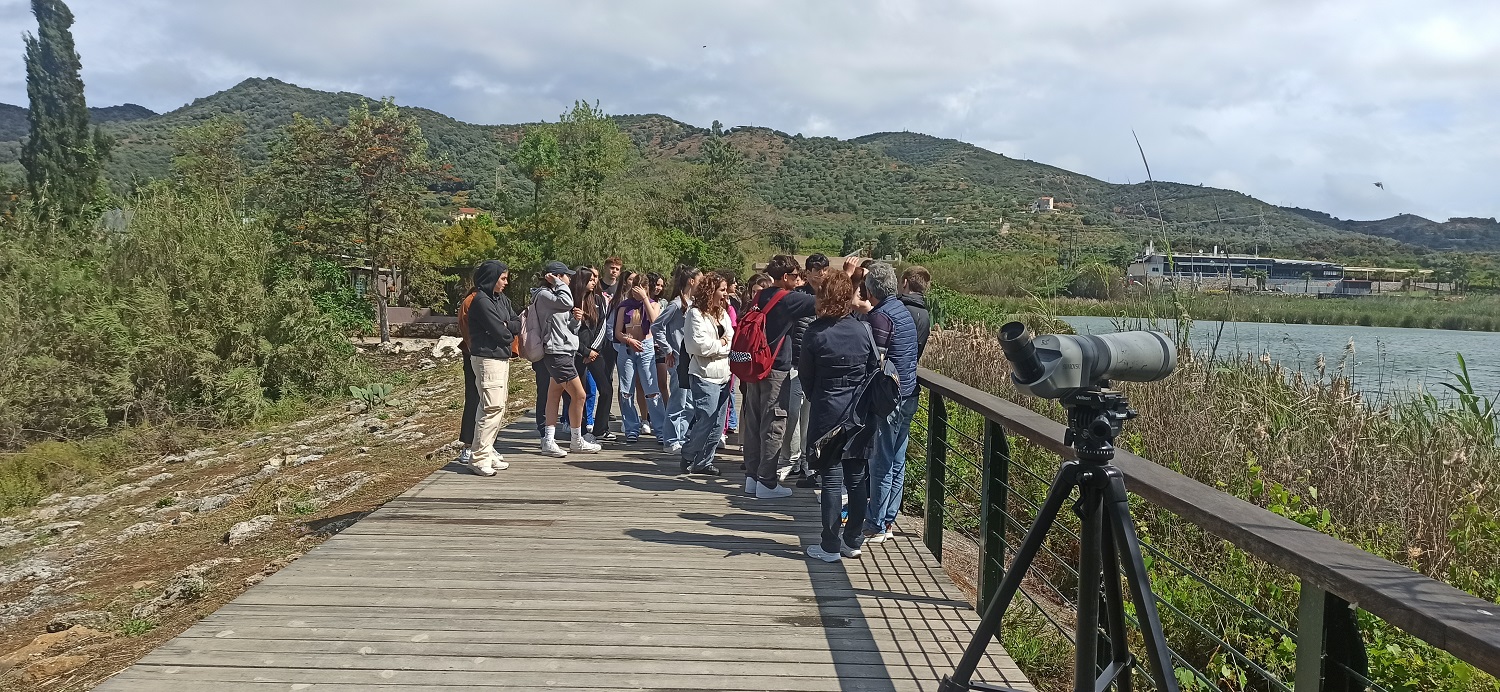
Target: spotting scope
1054,366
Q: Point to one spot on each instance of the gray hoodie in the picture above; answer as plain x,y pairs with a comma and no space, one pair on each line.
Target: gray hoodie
554,306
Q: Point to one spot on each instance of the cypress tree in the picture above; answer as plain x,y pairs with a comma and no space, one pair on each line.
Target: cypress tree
62,156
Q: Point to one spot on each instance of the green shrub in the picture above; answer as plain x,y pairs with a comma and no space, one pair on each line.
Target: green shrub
183,313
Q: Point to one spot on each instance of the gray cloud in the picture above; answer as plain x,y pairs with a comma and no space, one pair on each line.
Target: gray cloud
1299,102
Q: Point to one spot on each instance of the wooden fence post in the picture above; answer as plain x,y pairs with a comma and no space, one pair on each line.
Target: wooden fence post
937,467
1330,650
992,511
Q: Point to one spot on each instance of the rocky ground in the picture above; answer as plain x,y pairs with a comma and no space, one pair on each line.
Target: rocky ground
93,579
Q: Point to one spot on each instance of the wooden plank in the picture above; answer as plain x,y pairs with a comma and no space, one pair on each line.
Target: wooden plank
527,641
1462,624
844,678
612,573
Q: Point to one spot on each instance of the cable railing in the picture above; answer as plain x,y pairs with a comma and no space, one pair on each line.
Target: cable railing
980,466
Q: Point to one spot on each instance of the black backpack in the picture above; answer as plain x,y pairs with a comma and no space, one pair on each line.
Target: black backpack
881,391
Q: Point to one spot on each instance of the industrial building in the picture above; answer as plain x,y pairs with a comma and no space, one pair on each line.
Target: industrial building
1228,270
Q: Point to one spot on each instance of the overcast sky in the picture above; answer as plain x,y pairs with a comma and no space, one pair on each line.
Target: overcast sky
1298,102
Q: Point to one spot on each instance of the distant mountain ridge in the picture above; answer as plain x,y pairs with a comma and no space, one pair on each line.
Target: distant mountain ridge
13,125
824,185
1476,234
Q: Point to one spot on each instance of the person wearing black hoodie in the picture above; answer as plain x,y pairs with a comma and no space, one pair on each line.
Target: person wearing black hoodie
914,284
492,327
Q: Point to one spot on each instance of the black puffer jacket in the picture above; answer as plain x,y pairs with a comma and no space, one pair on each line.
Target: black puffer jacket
916,304
493,321
591,338
799,330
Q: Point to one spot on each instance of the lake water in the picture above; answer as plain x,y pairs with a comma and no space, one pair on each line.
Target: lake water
1384,360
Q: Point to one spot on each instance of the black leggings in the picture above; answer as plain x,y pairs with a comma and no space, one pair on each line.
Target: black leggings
604,381
471,404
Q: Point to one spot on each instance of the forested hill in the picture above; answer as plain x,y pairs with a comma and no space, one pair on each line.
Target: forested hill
13,123
13,126
823,186
1459,233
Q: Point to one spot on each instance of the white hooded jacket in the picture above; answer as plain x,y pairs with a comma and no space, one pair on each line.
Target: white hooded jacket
707,342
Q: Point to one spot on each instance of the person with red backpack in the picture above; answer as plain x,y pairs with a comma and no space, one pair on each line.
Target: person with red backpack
761,357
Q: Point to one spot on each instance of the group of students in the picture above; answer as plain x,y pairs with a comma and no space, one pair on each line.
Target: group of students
813,340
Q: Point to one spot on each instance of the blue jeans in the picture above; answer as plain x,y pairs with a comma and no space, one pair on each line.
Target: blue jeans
734,417
679,409
888,465
709,401
641,365
592,393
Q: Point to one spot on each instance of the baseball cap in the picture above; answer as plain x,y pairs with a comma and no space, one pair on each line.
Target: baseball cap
556,267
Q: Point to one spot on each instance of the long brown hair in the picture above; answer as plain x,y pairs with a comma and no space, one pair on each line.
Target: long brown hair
621,287
683,279
706,296
583,296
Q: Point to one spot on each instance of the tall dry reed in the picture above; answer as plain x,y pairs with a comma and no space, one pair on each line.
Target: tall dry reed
1414,481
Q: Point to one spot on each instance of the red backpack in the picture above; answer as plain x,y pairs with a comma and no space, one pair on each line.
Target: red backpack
750,355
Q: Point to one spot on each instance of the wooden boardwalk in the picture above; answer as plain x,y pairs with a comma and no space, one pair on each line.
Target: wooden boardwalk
604,571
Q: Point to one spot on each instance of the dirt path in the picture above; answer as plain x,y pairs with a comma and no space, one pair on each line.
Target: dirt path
117,567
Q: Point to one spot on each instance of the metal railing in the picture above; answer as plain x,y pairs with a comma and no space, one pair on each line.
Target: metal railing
973,485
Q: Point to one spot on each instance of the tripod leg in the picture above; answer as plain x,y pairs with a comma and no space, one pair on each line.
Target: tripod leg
1117,505
1090,552
989,626
1114,604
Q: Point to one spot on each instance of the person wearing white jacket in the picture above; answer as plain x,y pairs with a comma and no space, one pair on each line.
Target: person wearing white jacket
707,335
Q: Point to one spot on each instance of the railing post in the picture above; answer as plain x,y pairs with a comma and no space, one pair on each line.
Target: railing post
1310,607
937,468
992,511
1330,650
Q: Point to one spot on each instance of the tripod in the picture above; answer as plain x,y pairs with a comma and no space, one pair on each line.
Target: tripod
1109,550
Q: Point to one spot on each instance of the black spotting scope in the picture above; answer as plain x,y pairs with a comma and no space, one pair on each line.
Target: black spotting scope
1054,366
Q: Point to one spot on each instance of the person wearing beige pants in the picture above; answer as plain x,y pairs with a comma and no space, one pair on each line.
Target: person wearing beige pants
492,377
491,325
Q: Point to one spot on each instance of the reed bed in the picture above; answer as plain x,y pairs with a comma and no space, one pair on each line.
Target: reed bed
1414,480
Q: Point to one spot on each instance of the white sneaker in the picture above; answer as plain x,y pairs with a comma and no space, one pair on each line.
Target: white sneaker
465,457
846,551
674,448
877,537
582,444
645,428
764,493
723,440
590,438
550,449
482,469
817,552
499,464
750,485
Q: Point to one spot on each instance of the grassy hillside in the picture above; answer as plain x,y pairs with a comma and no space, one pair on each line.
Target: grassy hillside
827,187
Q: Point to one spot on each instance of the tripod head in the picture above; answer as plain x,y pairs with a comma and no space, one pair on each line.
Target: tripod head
1095,417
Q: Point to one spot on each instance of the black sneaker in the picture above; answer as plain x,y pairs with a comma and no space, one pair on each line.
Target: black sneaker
706,469
808,482
607,437
683,465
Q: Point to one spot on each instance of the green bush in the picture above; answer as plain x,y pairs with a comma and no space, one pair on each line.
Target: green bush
180,311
